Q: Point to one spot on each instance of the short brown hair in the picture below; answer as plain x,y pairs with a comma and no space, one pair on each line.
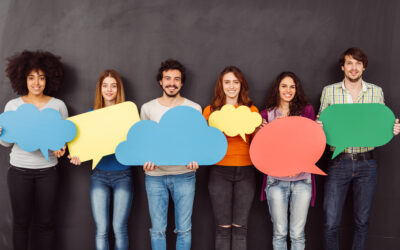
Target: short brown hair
357,54
98,99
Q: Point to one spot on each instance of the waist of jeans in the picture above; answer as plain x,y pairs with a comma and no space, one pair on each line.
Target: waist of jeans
356,156
112,172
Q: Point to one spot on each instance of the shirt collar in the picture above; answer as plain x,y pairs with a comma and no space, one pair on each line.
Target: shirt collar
364,88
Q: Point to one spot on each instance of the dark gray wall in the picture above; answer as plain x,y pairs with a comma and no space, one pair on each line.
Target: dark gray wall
262,37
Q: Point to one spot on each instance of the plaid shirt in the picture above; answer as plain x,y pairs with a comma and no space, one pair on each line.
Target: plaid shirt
337,94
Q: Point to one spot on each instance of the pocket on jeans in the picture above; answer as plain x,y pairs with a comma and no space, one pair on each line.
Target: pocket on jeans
371,163
334,163
271,181
307,180
127,174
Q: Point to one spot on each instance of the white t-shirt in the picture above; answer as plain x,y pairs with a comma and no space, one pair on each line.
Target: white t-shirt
153,110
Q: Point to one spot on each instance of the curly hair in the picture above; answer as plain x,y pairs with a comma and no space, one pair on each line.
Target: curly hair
219,98
171,64
21,64
297,104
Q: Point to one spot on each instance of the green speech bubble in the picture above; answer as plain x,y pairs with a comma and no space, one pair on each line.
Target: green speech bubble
357,125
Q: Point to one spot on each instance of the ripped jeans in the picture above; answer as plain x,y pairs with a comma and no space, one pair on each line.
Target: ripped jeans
182,188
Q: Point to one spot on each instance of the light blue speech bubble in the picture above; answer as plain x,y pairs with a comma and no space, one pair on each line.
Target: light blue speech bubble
33,129
182,136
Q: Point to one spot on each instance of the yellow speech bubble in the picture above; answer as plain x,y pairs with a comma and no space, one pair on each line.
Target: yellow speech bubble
235,121
99,132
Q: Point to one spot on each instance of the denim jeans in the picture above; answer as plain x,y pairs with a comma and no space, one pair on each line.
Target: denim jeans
103,186
361,175
232,192
182,189
294,196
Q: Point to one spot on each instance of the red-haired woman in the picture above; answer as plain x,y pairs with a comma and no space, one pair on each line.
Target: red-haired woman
232,180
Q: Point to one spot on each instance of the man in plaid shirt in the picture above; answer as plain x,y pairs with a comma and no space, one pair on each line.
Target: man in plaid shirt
355,165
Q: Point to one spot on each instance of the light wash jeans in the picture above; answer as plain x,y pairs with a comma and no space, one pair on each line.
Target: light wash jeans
182,189
102,185
293,194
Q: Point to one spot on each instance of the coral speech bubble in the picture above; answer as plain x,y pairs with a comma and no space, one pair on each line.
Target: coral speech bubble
357,125
100,131
288,146
235,121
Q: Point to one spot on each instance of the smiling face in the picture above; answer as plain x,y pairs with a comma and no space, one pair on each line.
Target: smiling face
287,89
231,87
109,89
171,82
352,69
36,82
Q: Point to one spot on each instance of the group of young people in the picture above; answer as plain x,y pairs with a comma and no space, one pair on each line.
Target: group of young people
32,180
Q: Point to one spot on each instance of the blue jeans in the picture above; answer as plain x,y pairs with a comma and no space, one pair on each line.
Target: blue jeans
361,174
182,189
102,185
297,196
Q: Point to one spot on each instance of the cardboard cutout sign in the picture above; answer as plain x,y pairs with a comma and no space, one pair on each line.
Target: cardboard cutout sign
357,125
288,146
181,136
100,131
33,129
235,121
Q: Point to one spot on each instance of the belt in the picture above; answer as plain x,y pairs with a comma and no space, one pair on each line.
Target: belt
356,156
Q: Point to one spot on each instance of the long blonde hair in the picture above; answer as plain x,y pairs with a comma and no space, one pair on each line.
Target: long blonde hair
98,99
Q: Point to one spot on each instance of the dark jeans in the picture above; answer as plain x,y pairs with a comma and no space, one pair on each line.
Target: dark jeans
361,175
33,194
232,192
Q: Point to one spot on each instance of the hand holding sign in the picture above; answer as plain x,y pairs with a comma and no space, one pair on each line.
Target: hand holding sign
33,129
235,121
288,146
100,131
357,125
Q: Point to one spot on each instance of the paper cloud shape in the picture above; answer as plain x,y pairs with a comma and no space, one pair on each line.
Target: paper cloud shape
235,121
33,129
357,125
181,136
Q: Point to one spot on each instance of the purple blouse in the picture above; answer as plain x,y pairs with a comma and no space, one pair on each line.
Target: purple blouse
271,115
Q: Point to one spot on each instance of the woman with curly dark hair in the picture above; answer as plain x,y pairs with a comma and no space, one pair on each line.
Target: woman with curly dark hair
32,180
232,180
286,98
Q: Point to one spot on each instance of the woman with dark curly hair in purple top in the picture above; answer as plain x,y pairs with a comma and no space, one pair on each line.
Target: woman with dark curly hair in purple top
32,180
294,193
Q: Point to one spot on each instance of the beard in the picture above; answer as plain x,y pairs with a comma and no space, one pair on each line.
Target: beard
354,79
170,95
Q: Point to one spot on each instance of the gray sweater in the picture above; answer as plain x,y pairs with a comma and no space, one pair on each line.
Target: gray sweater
35,159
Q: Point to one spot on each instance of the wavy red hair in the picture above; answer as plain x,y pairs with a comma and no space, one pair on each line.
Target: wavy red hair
219,98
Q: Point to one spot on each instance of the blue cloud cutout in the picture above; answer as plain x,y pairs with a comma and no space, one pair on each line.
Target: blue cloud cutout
182,136
33,129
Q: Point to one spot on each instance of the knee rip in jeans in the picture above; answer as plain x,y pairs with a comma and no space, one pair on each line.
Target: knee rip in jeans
183,232
223,231
157,234
239,233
